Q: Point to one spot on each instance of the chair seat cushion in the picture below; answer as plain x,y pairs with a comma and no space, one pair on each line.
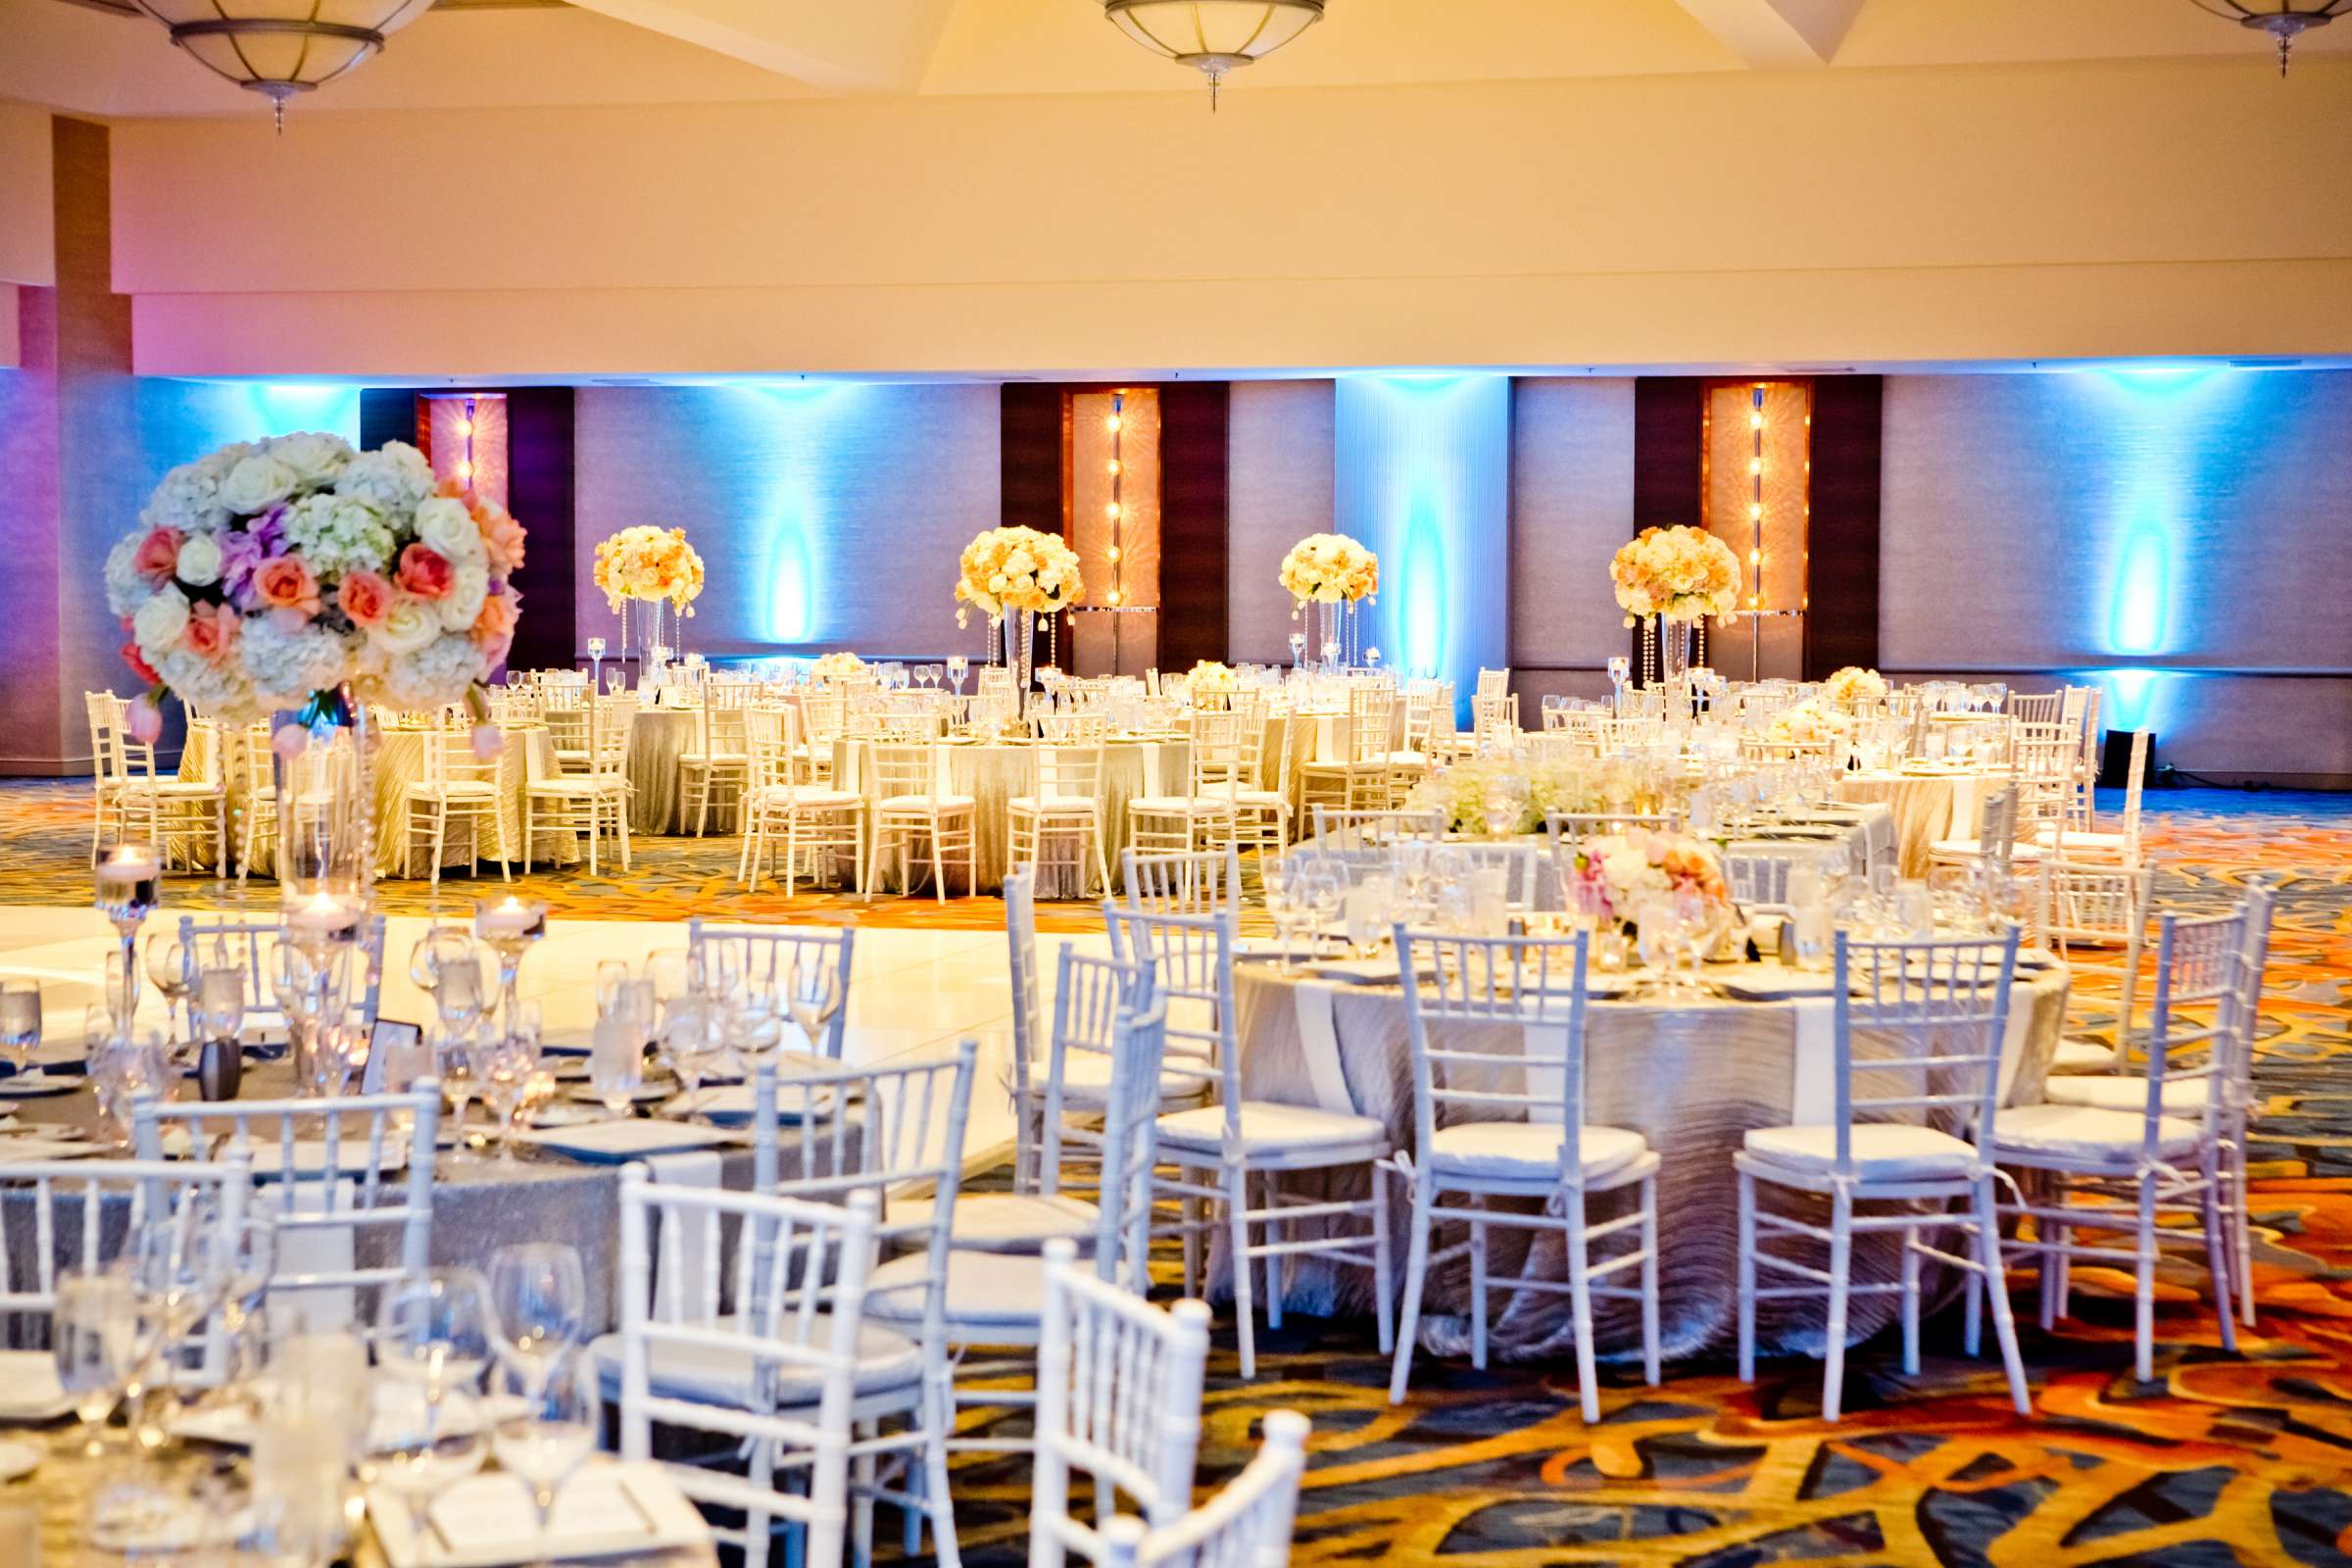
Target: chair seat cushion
1881,1151
2087,1133
1007,1222
1268,1127
983,1288
1407,760
886,1361
585,784
1971,849
1179,805
456,789
925,802
722,760
1054,804
2080,839
1086,1081
2127,1092
1527,1148
806,798
2081,1056
186,789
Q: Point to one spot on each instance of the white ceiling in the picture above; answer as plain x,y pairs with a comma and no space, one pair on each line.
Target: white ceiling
481,53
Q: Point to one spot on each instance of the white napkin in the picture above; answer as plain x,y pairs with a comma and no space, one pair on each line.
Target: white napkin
687,1245
1545,1043
1319,1042
1813,1091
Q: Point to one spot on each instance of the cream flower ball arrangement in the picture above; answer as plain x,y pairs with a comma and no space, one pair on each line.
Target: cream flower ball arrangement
271,574
1017,569
1855,687
1680,573
831,667
1208,678
1328,568
650,564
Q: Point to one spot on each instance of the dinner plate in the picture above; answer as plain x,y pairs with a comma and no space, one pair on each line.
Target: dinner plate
616,1143
18,1458
28,1388
610,1508
40,1085
310,1157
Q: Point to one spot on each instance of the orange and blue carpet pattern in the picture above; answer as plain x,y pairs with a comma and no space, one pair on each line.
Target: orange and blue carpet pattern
2219,1459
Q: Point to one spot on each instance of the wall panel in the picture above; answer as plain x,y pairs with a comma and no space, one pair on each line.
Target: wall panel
1280,446
1572,505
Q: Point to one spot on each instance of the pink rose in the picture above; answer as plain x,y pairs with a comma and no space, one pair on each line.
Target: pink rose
425,573
138,663
158,556
486,741
212,632
364,597
286,585
494,627
289,740
146,720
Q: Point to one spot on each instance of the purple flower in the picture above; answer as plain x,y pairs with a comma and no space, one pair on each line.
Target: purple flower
242,553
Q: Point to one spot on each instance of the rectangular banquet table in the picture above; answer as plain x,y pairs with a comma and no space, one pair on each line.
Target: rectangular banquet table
1691,1077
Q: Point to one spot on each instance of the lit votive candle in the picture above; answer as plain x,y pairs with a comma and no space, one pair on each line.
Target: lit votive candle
323,915
508,917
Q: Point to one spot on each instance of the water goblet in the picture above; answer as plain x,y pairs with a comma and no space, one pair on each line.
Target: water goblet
552,1435
433,1330
93,1341
617,1061
538,1307
417,1450
812,996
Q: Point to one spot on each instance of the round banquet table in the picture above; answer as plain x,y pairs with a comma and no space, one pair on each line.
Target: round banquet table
993,772
1928,803
479,1204
1691,1077
658,738
529,753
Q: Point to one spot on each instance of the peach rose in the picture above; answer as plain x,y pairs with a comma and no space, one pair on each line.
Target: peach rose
364,597
424,572
286,585
212,632
502,537
158,556
494,627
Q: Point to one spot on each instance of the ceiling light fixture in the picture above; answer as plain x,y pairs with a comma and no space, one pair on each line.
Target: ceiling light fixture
1214,36
278,48
2283,20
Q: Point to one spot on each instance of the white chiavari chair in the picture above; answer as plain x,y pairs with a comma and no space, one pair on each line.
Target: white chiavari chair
1202,817
1357,778
460,788
594,801
810,965
1342,832
252,947
1758,873
2081,843
1510,868
1215,1151
254,766
1995,841
1118,1397
1262,803
1245,1525
174,814
2037,707
786,812
914,806
2096,906
1181,883
78,1216
1920,1031
1493,682
793,1344
2152,1166
717,771
1492,1124
102,712
1063,810
366,1173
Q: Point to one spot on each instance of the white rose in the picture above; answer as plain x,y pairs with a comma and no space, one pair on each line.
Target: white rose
256,484
409,625
470,585
445,525
315,458
199,560
158,623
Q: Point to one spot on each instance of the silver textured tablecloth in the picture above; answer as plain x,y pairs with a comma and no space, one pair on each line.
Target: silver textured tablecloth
658,737
1689,1078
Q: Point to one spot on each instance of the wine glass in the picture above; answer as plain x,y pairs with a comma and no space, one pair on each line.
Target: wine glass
539,1307
93,1330
552,1435
612,982
686,1045
173,970
416,1449
120,971
447,965
455,1056
813,996
20,1021
617,1061
433,1331
1281,886
182,1268
958,667
505,1073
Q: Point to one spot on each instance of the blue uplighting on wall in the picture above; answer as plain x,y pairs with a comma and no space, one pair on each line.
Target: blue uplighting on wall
1422,476
248,411
2142,599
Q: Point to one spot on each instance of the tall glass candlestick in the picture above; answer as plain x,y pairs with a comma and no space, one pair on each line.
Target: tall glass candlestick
129,884
509,926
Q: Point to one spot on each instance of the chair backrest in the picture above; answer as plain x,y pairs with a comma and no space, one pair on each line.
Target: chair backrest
772,745
1757,872
1182,881
1371,721
1245,1525
1092,999
1069,771
1341,831
1931,1017
1997,825
58,1216
1220,762
896,770
334,1181
814,961
1078,727
1493,715
1516,863
1492,682
252,945
1118,1397
2199,1014
449,759
1536,984
797,1299
1190,958
2037,707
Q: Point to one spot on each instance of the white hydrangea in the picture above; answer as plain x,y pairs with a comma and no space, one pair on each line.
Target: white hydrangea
336,533
286,666
393,478
221,689
126,589
316,457
188,498
436,674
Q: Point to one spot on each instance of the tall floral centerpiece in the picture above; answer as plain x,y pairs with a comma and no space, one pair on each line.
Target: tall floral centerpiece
1014,575
296,574
1670,580
1337,573
652,566
1854,689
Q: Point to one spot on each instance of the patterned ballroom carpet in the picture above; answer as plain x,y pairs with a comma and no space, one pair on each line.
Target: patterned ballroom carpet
2221,1460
